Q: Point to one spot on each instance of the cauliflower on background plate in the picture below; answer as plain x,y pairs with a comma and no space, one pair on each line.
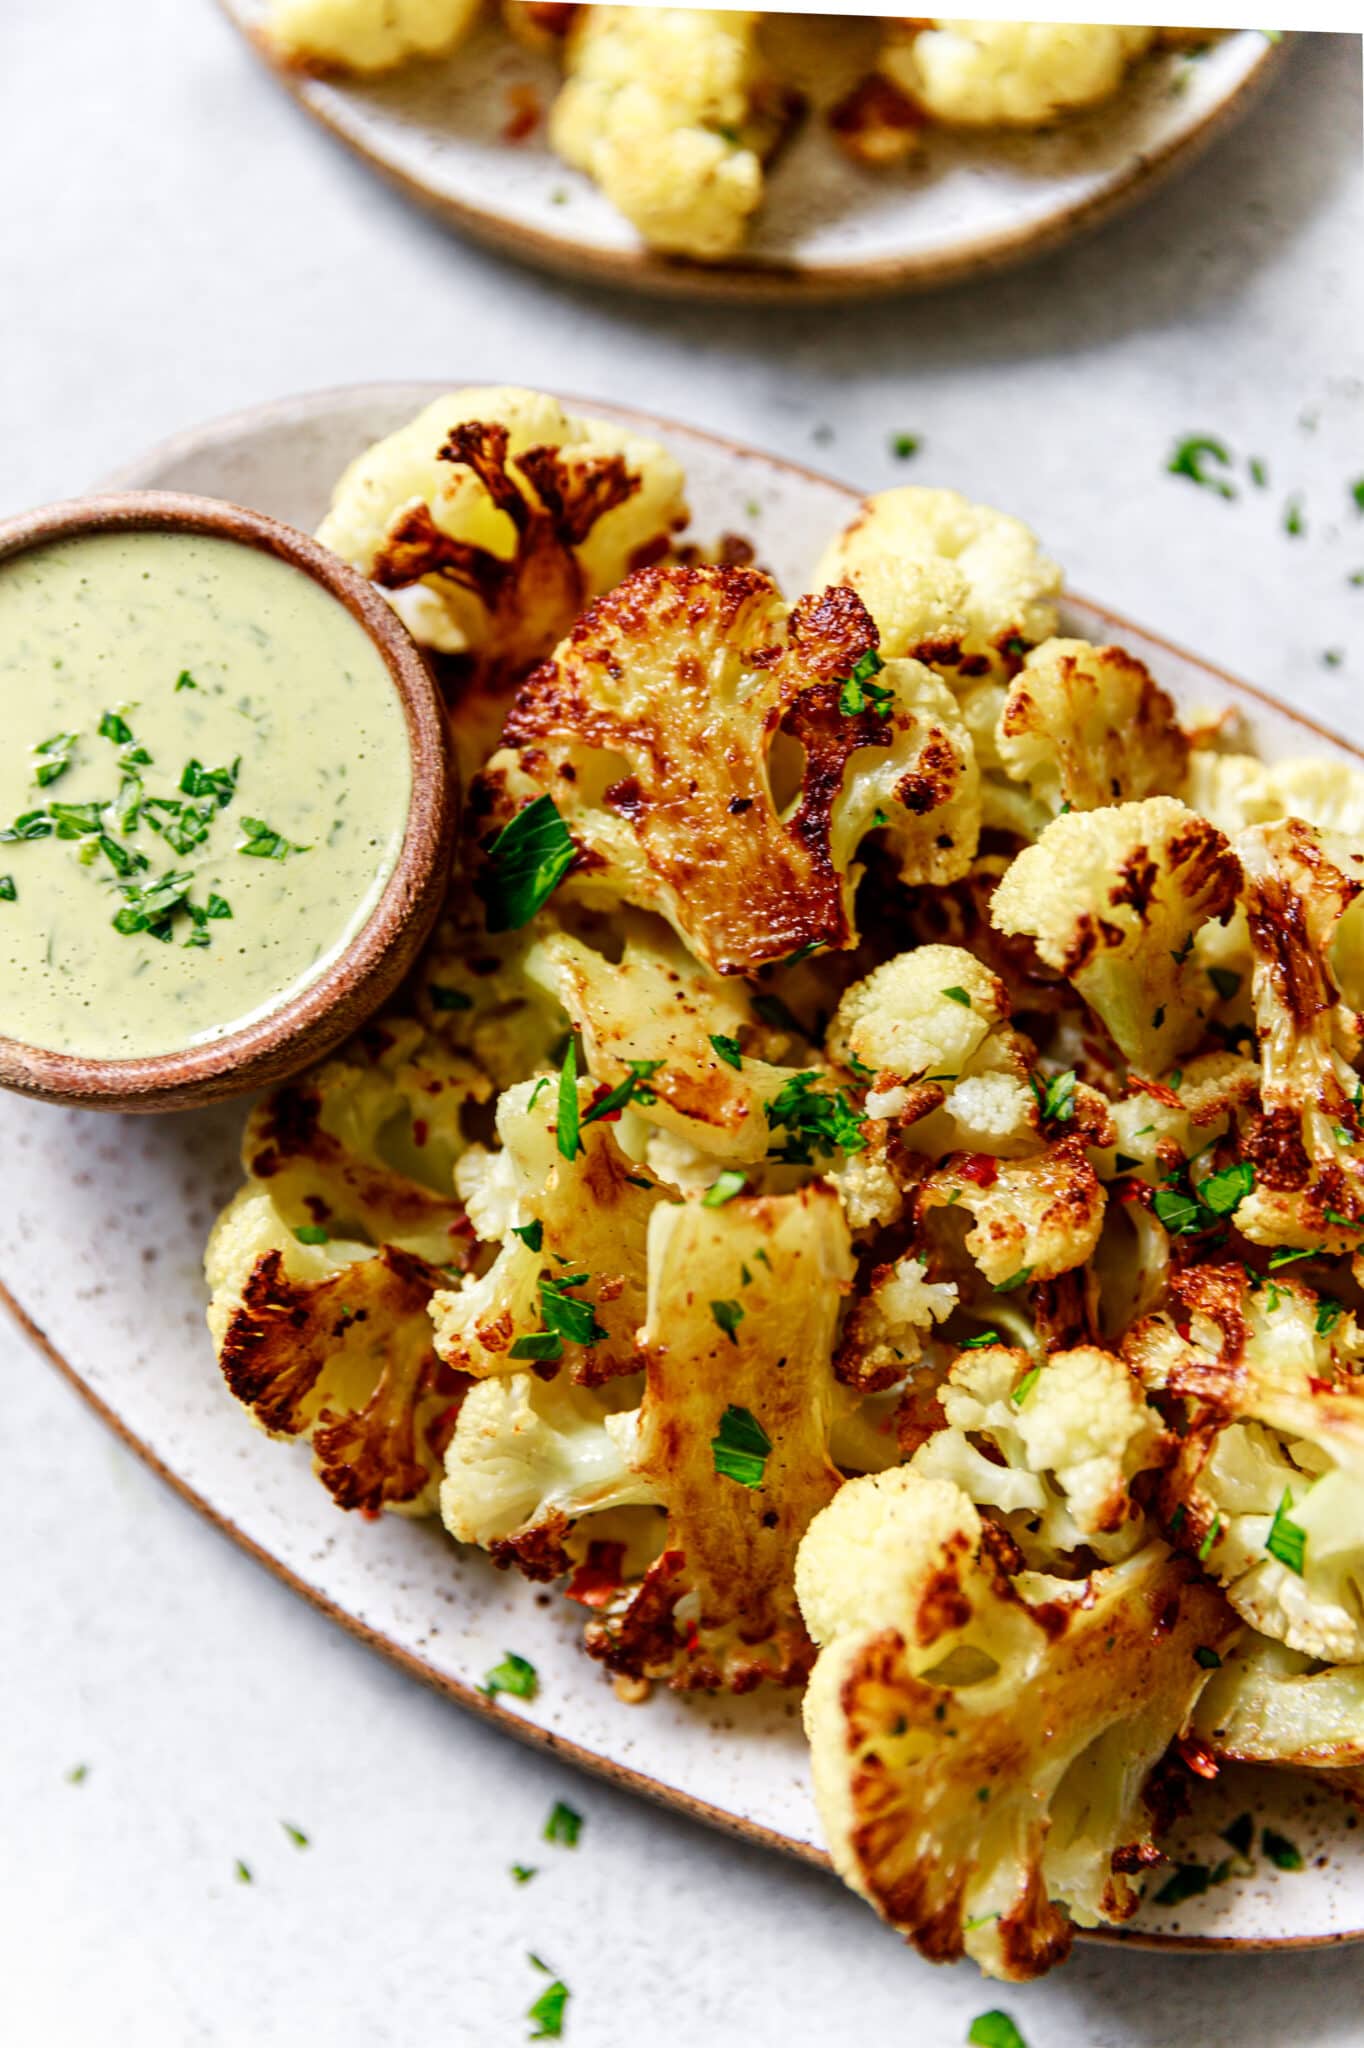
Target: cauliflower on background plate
1009,74
368,35
864,1169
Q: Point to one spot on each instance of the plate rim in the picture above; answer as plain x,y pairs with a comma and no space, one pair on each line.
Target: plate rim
744,280
623,1777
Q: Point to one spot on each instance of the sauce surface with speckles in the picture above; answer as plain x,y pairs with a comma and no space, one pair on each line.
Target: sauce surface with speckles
204,786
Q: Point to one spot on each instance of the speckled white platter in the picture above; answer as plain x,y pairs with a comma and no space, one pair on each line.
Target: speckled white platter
828,228
103,1225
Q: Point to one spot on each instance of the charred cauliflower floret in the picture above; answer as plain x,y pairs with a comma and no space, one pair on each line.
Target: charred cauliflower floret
718,759
1053,1447
1157,1125
321,1270
1033,1219
884,1334
1011,74
569,1281
493,517
529,1458
1271,1705
1113,900
670,111
1307,1147
732,1437
367,35
928,1029
696,1032
959,586
981,1737
1269,1480
1086,727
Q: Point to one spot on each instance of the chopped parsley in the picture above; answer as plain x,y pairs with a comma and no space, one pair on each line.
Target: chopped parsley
739,1449
1018,1279
566,1136
1282,1853
263,842
312,1233
1223,1191
8,892
1208,1658
1026,1385
28,825
994,2030
564,1825
565,1320
860,692
978,1342
1286,1539
522,1873
295,1834
78,1774
1188,1881
1293,520
1357,493
1259,472
243,1872
816,1120
1190,458
448,998
1286,1257
727,1316
726,1049
526,863
902,446
113,727
532,1234
1225,980
185,681
1329,1313
1055,1095
634,1088
54,757
958,995
1205,1548
1240,1834
514,1675
547,2013
723,1188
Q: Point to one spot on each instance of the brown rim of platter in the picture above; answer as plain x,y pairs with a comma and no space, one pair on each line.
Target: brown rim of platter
661,276
375,960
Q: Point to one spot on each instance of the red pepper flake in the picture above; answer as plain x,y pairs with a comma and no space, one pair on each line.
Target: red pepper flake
598,1577
599,1094
523,113
1321,1386
1197,1757
1185,1330
977,1167
421,1130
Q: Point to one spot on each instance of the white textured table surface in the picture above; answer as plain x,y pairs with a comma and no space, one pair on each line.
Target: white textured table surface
180,243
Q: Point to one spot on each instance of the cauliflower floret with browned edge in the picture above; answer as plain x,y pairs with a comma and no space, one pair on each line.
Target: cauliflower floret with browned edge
671,112
733,1436
1085,727
1272,1705
1052,1445
654,1006
1033,1218
1268,1486
718,759
529,1458
1011,74
1307,1145
494,516
957,585
883,1335
569,1280
1113,900
1158,1124
367,35
473,993
981,1737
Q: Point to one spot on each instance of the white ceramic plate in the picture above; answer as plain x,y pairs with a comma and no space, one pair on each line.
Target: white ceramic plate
828,228
103,1226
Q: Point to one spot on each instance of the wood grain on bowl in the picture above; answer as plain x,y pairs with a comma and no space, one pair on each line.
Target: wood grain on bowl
317,1012
77,1240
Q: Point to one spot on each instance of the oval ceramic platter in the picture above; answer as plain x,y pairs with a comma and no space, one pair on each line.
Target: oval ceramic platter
103,1227
439,130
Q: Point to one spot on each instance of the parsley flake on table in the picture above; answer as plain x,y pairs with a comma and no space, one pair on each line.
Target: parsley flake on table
514,1675
740,1447
296,1835
902,446
1282,1853
522,1873
994,2030
78,1774
1190,458
548,2012
1294,522
564,1825
526,863
243,1872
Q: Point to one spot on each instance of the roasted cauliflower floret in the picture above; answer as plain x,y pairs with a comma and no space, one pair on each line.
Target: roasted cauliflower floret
1307,1147
1237,790
696,1032
733,1437
980,1740
1011,74
569,1281
1053,1447
1268,1484
1113,899
1160,1124
1271,1705
1086,727
528,1458
670,110
883,1336
718,760
474,993
494,516
367,35
959,586
1033,1218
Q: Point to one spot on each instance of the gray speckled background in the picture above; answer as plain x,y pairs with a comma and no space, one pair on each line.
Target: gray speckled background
179,242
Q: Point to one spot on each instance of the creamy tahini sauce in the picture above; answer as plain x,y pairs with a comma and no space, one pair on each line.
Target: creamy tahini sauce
295,724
